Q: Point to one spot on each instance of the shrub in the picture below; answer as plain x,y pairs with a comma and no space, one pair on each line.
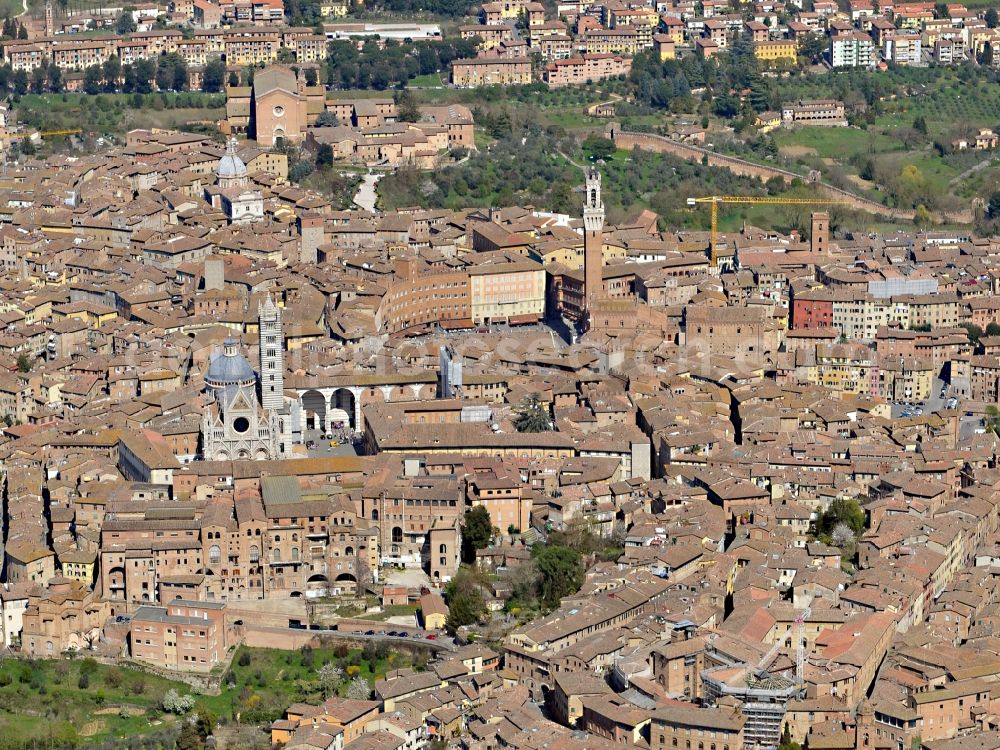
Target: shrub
175,703
245,659
113,678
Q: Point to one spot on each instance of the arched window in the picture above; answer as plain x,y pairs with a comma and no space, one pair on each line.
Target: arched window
443,549
254,553
214,555
397,535
277,555
295,537
295,553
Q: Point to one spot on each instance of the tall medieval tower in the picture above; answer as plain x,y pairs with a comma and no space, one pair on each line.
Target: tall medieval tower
50,27
593,240
272,356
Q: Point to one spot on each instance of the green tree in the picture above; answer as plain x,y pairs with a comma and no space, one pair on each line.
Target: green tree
992,18
992,419
465,599
921,216
112,72
24,363
985,56
214,76
39,77
327,119
189,739
477,532
206,723
920,124
598,148
234,79
143,72
300,170
993,329
974,331
54,79
842,510
532,415
786,741
180,74
813,48
92,80
20,82
406,107
126,23
992,207
324,156
164,73
560,572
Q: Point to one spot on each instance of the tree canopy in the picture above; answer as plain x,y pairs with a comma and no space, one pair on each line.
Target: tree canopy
477,532
560,573
466,605
841,510
532,415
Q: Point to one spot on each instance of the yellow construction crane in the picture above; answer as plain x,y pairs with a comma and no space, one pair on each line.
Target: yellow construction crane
715,200
72,131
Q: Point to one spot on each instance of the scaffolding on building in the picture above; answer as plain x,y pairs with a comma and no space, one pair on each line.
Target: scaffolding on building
763,698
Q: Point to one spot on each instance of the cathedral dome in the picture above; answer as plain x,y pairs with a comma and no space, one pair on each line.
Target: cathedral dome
231,166
230,368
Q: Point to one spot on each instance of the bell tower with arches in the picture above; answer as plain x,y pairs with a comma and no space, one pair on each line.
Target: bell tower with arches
593,240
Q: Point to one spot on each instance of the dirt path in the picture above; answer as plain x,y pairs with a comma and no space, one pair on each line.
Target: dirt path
970,171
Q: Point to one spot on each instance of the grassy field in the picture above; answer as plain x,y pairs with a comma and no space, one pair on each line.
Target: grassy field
45,701
114,114
833,143
81,701
431,80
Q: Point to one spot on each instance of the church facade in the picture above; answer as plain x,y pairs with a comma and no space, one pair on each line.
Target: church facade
248,417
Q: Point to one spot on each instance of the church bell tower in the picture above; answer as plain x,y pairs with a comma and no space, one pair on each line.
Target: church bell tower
272,356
